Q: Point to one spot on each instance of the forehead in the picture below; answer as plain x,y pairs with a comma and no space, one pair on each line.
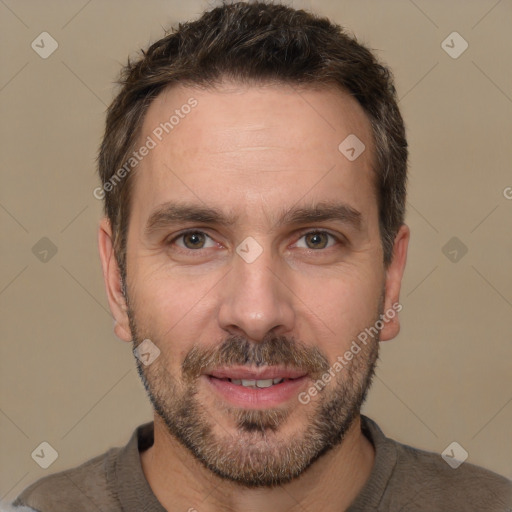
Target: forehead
253,146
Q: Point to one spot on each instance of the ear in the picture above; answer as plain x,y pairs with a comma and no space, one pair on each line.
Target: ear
394,274
112,278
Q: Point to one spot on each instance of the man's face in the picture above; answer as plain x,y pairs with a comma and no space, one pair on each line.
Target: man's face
279,291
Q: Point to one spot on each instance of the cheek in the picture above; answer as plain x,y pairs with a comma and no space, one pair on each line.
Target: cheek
172,307
342,305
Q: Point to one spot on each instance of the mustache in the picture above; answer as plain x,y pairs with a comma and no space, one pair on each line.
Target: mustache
271,351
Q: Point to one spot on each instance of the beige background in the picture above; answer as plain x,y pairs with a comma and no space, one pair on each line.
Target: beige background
66,379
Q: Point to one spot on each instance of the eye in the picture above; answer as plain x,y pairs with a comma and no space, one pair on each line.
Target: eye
196,240
317,240
193,240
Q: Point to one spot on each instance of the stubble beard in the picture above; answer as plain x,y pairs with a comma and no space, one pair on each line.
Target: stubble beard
255,454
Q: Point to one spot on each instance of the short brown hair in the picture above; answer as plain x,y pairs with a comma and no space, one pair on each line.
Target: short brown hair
248,43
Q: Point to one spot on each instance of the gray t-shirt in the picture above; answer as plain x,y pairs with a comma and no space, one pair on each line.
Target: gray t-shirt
403,479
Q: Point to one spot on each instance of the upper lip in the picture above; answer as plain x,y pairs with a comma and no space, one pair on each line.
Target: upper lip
269,372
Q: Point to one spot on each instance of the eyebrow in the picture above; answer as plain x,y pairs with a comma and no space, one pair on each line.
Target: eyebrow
173,213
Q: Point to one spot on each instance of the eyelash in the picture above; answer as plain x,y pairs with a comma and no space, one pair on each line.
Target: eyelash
191,231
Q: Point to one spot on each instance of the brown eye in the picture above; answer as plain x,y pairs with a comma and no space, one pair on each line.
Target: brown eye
192,244
194,240
317,240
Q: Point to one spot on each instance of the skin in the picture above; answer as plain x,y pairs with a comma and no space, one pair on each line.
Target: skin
254,151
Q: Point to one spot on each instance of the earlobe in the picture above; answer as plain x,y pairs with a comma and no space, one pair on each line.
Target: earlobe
394,274
112,279
122,333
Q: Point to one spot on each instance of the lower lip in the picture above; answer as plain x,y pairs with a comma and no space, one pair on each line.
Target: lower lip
258,398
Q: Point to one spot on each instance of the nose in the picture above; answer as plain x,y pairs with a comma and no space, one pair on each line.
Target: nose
256,299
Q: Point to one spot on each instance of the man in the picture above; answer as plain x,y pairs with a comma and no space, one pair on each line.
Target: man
254,174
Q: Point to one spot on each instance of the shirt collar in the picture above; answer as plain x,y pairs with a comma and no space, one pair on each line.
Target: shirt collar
135,493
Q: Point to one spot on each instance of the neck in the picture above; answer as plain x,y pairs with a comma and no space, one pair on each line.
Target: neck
331,483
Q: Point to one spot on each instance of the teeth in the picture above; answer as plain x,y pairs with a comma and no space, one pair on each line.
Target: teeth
250,383
264,383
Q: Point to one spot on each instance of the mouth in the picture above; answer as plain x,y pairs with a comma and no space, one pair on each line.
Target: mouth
260,388
255,383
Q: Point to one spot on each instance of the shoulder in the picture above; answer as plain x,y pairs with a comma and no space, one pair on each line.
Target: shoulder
84,487
466,487
408,478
